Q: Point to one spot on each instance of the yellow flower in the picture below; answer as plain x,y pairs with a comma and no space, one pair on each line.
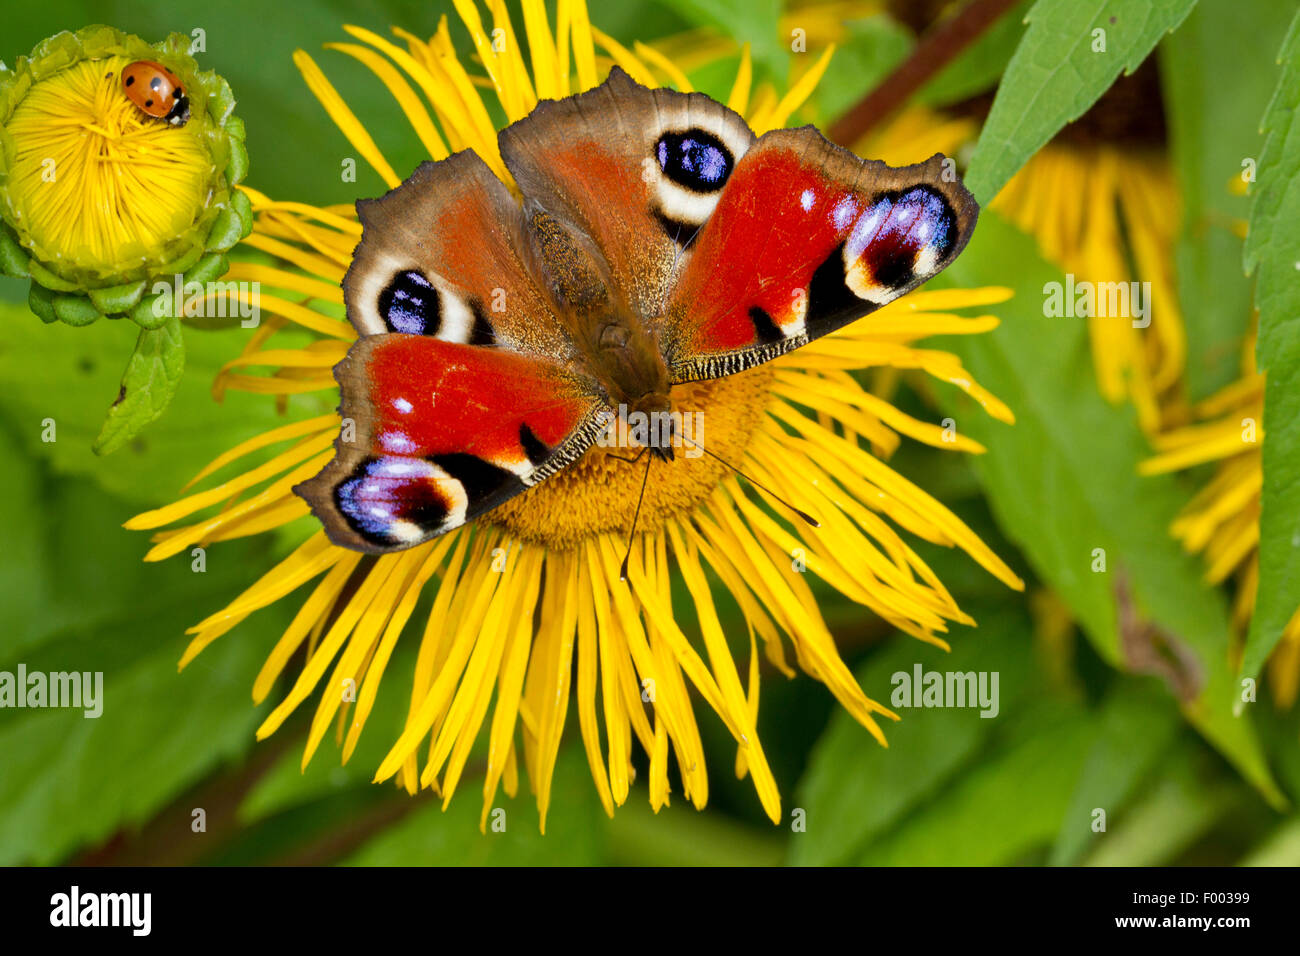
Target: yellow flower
94,161
1222,520
530,596
96,198
1097,198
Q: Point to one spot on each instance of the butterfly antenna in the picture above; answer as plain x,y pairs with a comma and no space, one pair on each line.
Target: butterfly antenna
756,483
622,575
681,250
631,461
695,235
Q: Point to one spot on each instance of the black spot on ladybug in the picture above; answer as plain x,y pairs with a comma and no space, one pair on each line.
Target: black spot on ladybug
155,83
148,103
129,80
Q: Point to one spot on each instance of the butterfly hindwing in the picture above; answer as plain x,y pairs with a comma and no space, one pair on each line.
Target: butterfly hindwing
444,431
824,238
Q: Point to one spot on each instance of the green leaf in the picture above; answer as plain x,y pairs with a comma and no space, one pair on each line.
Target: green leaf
1216,78
1060,69
1273,249
680,835
69,780
1006,806
1063,483
288,785
1135,726
855,790
1280,729
1280,848
1179,804
68,375
24,587
79,571
152,374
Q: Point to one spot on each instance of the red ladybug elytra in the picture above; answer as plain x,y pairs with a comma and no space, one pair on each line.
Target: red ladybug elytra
157,91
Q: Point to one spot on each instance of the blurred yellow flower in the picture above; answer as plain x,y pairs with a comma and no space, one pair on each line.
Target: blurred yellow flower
1222,520
1103,205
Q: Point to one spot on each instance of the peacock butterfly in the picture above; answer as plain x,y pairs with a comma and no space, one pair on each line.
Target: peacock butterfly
658,242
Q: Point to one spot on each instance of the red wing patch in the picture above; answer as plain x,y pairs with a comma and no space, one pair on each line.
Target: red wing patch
806,238
444,432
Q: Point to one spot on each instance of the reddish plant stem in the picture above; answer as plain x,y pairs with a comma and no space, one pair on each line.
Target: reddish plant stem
936,50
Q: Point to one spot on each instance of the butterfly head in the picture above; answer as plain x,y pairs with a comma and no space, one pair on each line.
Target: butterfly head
655,409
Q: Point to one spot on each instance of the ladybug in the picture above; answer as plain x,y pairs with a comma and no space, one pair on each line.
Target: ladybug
157,91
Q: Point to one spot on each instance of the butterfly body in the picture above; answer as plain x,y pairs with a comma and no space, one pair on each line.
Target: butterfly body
615,345
658,242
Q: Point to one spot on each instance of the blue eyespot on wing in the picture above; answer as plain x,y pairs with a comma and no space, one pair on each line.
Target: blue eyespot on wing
695,159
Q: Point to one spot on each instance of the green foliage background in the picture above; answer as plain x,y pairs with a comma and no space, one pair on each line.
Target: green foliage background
1199,783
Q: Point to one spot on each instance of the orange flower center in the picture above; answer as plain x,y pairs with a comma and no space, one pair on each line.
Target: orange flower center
599,492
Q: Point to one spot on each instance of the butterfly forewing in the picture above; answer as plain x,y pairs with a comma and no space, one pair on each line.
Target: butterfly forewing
462,390
638,171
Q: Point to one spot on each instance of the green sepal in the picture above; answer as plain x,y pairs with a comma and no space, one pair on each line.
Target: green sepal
208,269
244,206
143,314
75,310
118,299
227,229
184,264
41,301
237,165
13,260
43,276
